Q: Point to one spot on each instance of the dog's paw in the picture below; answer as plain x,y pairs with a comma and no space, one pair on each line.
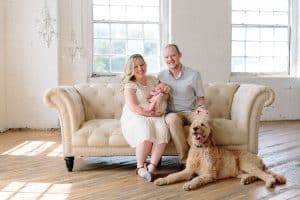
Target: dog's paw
280,179
248,180
270,183
160,181
189,186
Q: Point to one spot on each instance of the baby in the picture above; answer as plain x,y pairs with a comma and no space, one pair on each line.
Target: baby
158,99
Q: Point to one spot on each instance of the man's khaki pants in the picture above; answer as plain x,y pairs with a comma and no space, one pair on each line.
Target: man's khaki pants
176,122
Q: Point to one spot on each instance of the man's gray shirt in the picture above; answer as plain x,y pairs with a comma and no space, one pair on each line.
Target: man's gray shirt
184,90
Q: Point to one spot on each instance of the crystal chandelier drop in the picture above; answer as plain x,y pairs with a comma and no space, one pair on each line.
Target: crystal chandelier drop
47,26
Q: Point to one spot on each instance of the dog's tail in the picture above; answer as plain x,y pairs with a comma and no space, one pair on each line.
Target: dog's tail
280,179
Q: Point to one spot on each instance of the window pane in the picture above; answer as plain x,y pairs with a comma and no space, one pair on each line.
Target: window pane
252,17
101,46
152,64
151,14
117,64
117,12
116,2
135,46
101,30
101,2
133,12
266,18
151,48
238,49
253,34
151,3
101,64
238,17
266,63
118,31
252,48
100,12
238,64
238,34
151,31
281,18
252,64
266,34
118,47
134,2
280,49
281,64
280,5
239,5
135,31
281,34
266,49
266,5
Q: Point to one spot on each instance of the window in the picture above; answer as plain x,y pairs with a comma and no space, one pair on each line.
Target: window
125,27
260,36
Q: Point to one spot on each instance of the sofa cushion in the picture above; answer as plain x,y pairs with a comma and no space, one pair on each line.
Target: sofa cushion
102,100
219,98
226,132
107,133
100,133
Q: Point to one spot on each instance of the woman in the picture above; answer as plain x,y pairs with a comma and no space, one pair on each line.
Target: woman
142,128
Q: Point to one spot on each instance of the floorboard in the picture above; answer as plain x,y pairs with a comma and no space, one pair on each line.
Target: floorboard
32,167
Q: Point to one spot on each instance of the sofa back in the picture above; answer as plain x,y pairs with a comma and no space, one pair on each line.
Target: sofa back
106,100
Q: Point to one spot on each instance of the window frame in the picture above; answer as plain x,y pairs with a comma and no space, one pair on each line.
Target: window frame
164,35
291,27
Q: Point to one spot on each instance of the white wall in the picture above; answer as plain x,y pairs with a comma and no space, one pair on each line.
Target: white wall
72,71
3,121
202,29
31,67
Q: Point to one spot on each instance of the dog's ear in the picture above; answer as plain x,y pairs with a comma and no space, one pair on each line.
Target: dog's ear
188,135
211,138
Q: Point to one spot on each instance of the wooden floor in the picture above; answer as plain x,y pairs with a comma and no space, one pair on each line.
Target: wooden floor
32,167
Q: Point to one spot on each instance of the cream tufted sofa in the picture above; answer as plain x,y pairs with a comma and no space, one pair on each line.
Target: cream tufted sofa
89,117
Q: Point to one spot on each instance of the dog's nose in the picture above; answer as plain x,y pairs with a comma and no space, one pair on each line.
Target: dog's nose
195,128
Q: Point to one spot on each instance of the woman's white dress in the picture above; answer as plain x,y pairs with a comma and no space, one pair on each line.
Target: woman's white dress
137,128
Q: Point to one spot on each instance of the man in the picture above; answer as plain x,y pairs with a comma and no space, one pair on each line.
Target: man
186,97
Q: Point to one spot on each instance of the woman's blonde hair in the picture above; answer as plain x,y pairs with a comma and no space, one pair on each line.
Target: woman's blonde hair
129,68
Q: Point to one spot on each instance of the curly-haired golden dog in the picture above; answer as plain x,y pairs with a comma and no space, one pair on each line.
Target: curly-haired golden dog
206,162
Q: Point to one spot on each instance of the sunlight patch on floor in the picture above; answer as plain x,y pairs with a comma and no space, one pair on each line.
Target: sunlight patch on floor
34,191
57,152
33,148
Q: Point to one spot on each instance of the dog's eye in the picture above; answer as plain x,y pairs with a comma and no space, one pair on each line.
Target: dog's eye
202,124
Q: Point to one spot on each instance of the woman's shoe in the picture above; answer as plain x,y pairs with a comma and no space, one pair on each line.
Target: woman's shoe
153,165
144,173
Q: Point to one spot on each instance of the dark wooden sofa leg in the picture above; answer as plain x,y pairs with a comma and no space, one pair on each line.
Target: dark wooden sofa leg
69,163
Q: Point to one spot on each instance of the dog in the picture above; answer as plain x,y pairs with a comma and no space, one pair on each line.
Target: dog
207,163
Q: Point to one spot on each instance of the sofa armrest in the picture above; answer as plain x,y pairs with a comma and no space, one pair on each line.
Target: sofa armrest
68,103
246,110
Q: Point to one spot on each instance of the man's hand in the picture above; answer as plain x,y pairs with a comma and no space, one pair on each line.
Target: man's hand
202,110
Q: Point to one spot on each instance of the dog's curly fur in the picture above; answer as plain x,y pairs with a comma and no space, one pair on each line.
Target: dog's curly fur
206,162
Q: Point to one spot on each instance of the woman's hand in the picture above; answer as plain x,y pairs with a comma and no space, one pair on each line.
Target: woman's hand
166,89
